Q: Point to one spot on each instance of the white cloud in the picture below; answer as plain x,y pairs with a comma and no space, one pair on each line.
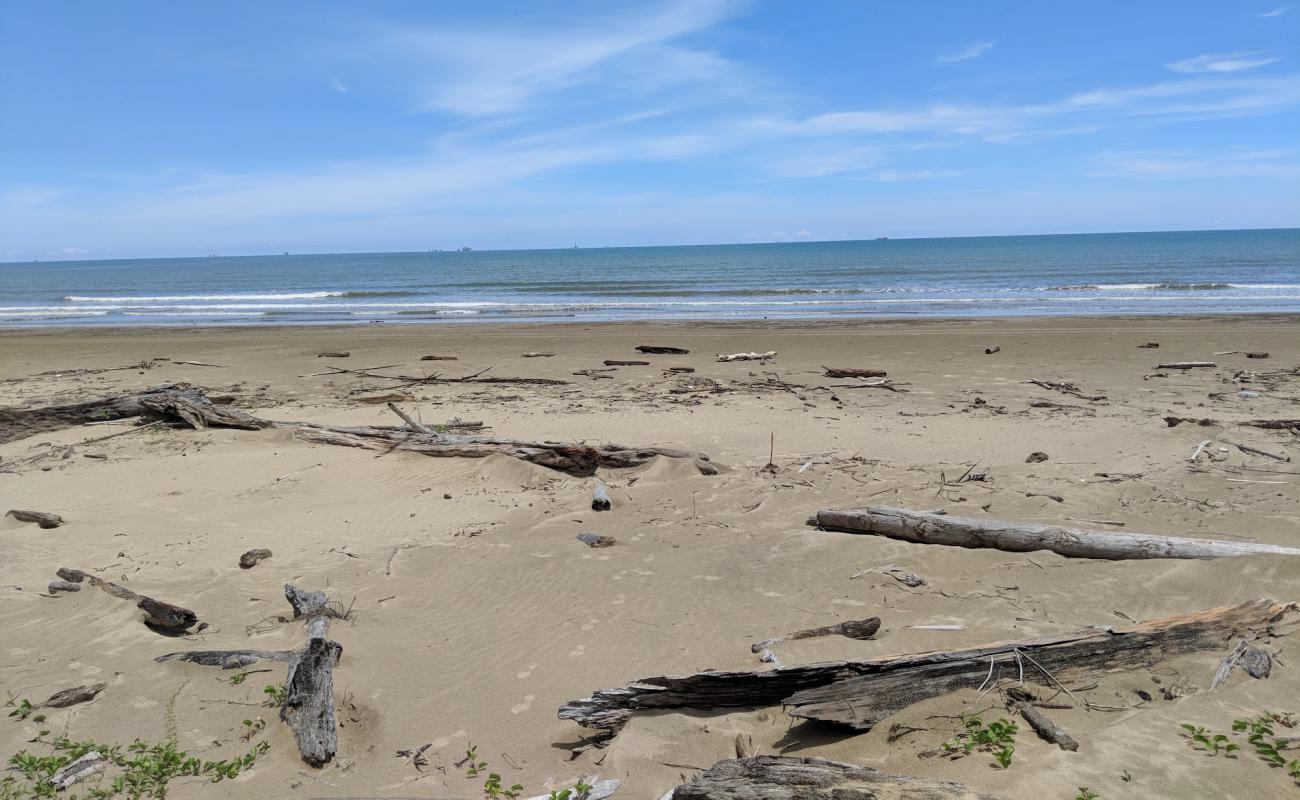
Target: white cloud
1222,62
1191,164
974,51
1277,12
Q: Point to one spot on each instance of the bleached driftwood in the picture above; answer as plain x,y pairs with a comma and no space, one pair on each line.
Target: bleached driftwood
770,354
309,687
853,629
845,372
1024,537
164,617
76,771
418,427
573,458
861,693
791,778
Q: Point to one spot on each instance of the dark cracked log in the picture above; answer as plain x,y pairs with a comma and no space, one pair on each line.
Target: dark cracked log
177,402
573,458
1023,537
790,778
861,693
162,617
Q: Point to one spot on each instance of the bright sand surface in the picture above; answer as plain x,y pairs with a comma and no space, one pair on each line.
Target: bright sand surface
477,612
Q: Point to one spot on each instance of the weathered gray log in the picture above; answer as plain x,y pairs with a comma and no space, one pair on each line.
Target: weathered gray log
418,427
309,687
853,629
78,770
572,458
1024,537
164,617
845,372
657,350
197,411
609,362
73,696
1045,727
63,586
42,518
1186,365
861,693
249,559
600,499
790,778
228,659
18,423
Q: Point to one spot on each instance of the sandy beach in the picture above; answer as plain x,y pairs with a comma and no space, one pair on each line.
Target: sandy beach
475,612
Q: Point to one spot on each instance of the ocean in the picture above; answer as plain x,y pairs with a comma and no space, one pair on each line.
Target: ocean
1191,272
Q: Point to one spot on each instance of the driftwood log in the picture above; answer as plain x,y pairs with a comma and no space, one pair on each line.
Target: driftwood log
1041,723
1186,365
610,362
835,372
160,616
173,403
42,518
250,558
853,629
73,696
789,778
570,457
657,350
1023,537
600,499
767,356
860,694
227,659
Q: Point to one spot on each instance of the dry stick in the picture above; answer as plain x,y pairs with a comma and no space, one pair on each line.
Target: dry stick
1023,537
853,629
199,364
1245,448
1045,727
415,426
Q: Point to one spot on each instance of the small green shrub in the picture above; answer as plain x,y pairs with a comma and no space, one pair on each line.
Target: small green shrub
997,737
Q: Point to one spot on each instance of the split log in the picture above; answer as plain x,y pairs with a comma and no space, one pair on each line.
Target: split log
853,629
1023,537
861,693
42,518
790,778
73,696
228,659
1044,726
600,499
609,362
1186,365
163,617
837,372
249,559
770,354
309,687
156,403
657,350
573,458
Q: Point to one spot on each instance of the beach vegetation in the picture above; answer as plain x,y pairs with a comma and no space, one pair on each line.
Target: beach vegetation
1212,743
997,737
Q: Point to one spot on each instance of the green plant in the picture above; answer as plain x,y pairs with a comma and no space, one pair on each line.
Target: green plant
276,695
578,792
23,708
471,758
237,678
997,737
1212,743
252,728
492,788
1268,746
1086,794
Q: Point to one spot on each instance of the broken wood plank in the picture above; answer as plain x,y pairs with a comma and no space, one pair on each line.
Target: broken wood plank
792,778
573,458
439,358
853,629
164,617
861,693
1024,537
538,355
42,518
846,372
657,350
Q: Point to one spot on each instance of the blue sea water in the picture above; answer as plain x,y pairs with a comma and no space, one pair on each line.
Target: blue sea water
1192,272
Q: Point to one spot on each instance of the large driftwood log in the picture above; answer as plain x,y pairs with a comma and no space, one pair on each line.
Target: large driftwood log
309,688
861,693
163,617
177,402
788,778
1023,537
573,458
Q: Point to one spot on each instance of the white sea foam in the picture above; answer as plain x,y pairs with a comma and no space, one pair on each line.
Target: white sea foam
181,298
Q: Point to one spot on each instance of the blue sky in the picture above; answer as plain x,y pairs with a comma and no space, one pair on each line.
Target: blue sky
152,128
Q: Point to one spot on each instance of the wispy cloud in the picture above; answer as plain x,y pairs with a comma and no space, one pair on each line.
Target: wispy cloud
339,86
1222,62
973,51
1279,164
1277,12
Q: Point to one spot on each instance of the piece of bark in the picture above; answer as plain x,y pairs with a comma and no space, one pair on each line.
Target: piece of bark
988,351
609,362
1045,727
249,559
1023,537
1186,365
755,356
538,355
845,372
791,778
164,617
339,354
600,499
228,659
63,586
414,425
73,696
657,350
861,693
439,358
76,771
852,629
596,540
1257,662
575,459
42,518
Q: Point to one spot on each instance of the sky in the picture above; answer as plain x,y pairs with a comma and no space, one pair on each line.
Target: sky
140,129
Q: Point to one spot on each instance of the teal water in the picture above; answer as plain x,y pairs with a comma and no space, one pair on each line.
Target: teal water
1130,273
